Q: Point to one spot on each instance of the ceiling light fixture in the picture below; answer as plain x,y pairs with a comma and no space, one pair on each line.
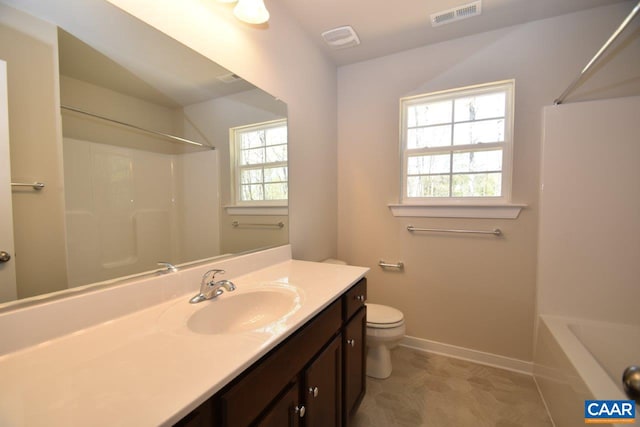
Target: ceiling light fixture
250,11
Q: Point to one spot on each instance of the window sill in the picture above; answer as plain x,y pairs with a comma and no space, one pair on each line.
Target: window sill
257,210
501,211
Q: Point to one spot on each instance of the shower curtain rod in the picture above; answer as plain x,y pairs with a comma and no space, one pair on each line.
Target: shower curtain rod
150,132
597,56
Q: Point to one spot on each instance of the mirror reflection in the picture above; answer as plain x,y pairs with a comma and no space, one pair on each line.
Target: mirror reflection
148,153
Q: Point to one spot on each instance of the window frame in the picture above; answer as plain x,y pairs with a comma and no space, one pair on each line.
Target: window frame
236,168
508,86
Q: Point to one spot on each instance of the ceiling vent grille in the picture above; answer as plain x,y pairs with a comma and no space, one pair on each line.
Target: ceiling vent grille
341,37
456,14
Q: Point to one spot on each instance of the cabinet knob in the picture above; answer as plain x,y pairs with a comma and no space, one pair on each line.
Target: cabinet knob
313,391
300,410
360,298
352,343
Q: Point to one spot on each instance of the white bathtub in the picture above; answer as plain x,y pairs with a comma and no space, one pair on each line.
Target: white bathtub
578,359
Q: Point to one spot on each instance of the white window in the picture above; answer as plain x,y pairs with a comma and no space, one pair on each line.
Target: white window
457,145
260,163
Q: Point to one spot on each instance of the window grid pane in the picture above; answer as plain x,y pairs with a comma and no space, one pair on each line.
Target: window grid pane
429,113
253,156
428,186
477,161
477,185
479,107
276,153
430,136
276,136
252,139
478,132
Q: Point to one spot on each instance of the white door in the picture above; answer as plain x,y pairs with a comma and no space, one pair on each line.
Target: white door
7,260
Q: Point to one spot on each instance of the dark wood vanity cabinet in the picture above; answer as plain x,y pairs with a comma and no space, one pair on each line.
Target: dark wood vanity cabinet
315,378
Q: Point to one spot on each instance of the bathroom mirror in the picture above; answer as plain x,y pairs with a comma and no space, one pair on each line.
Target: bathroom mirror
132,135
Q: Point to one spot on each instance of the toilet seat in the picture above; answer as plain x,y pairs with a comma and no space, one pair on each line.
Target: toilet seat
383,317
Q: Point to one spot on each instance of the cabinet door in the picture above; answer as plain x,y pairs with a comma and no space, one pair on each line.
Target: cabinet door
286,412
202,416
355,334
323,387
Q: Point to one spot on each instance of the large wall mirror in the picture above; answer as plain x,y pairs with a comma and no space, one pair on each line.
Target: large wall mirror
147,151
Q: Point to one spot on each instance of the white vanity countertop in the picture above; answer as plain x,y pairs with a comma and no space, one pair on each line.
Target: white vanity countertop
143,370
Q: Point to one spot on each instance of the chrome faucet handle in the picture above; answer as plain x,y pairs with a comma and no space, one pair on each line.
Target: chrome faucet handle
170,268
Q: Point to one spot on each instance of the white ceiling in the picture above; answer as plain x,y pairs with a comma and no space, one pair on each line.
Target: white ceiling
389,26
120,59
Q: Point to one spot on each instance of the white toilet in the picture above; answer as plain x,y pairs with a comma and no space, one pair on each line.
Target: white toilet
385,329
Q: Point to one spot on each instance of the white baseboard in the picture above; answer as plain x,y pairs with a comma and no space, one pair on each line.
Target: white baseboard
476,356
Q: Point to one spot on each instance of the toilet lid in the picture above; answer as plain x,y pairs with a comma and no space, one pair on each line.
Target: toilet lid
383,315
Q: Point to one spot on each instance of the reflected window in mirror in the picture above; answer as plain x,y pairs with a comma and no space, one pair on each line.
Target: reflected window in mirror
259,168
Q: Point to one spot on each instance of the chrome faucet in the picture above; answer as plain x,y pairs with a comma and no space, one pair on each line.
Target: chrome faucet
210,289
169,268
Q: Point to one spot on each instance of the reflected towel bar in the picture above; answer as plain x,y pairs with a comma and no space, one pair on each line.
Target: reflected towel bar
147,131
238,224
495,231
36,185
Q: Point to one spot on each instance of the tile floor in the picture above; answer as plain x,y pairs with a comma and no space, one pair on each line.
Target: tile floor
436,391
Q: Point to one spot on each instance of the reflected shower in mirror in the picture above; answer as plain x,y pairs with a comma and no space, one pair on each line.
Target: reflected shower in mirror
135,144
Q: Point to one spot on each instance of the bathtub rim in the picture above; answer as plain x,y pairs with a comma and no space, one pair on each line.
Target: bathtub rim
598,381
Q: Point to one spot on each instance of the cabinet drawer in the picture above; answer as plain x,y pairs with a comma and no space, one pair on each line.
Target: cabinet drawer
354,299
246,399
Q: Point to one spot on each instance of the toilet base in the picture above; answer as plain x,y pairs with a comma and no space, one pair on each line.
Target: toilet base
379,361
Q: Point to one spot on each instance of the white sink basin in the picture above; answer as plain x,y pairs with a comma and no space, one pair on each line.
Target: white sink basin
257,309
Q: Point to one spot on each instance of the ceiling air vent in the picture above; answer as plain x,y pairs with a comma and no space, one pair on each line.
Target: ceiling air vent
341,37
456,14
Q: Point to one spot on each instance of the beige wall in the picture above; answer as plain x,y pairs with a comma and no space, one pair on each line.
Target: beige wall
36,151
590,211
476,292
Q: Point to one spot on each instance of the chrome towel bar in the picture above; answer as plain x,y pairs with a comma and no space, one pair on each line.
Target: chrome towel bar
237,224
399,265
36,185
495,231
